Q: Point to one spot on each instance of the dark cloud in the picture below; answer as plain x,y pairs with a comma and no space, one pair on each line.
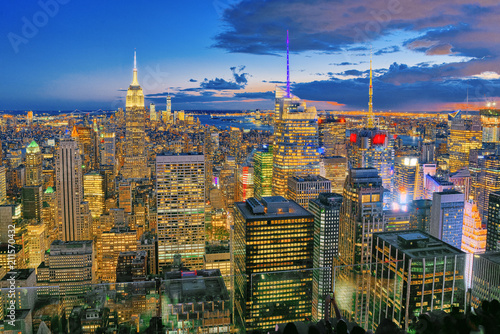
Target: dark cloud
390,49
345,63
193,80
240,81
239,76
256,95
400,88
219,84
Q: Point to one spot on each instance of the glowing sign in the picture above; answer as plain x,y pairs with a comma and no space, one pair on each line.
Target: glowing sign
378,139
353,137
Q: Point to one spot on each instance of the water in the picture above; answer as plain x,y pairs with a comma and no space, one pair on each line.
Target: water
246,122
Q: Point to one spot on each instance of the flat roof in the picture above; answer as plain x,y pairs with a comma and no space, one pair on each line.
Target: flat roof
295,211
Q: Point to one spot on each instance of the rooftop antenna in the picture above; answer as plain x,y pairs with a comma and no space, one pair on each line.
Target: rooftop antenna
135,60
370,101
287,67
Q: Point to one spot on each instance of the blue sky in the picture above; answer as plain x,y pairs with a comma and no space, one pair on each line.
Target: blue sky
229,54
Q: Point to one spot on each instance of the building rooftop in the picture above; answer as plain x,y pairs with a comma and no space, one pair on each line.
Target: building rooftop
417,244
309,178
195,286
20,274
439,181
272,207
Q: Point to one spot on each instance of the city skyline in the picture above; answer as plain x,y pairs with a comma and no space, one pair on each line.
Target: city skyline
62,55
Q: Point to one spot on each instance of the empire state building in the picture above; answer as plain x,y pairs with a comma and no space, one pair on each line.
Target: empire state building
135,164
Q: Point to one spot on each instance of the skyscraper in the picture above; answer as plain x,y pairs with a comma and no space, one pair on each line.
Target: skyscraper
263,172
326,210
473,237
33,165
447,216
373,148
244,183
32,202
465,135
93,193
332,137
295,149
302,189
406,180
490,121
108,149
3,185
273,248
493,227
420,215
180,187
135,149
485,179
152,112
334,168
70,191
361,215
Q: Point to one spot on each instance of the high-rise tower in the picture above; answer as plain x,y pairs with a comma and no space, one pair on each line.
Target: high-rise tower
33,165
70,191
135,118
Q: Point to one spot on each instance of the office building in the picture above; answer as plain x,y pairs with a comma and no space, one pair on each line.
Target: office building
485,274
108,148
86,138
332,136
67,273
334,168
447,216
420,215
244,182
32,199
135,162
3,185
108,247
301,189
131,266
70,191
263,172
183,292
235,144
180,187
93,193
25,294
361,215
295,149
473,237
461,180
435,184
396,220
33,165
373,148
326,211
490,122
406,180
415,274
273,250
152,112
485,178
465,135
493,226
427,152
148,242
37,241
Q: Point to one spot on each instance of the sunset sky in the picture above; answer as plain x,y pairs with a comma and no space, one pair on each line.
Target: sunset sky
229,54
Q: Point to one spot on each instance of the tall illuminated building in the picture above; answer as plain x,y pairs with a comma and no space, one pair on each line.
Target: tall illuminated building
465,135
69,187
37,244
263,172
461,181
334,168
420,215
486,269
302,189
93,193
406,180
332,136
473,237
326,210
86,137
447,217
135,162
361,215
33,165
485,179
490,121
273,250
235,144
295,149
180,187
493,226
125,196
244,183
108,148
152,112
3,185
373,148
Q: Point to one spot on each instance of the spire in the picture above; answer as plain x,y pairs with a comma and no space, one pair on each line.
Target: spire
287,67
135,82
74,133
370,101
